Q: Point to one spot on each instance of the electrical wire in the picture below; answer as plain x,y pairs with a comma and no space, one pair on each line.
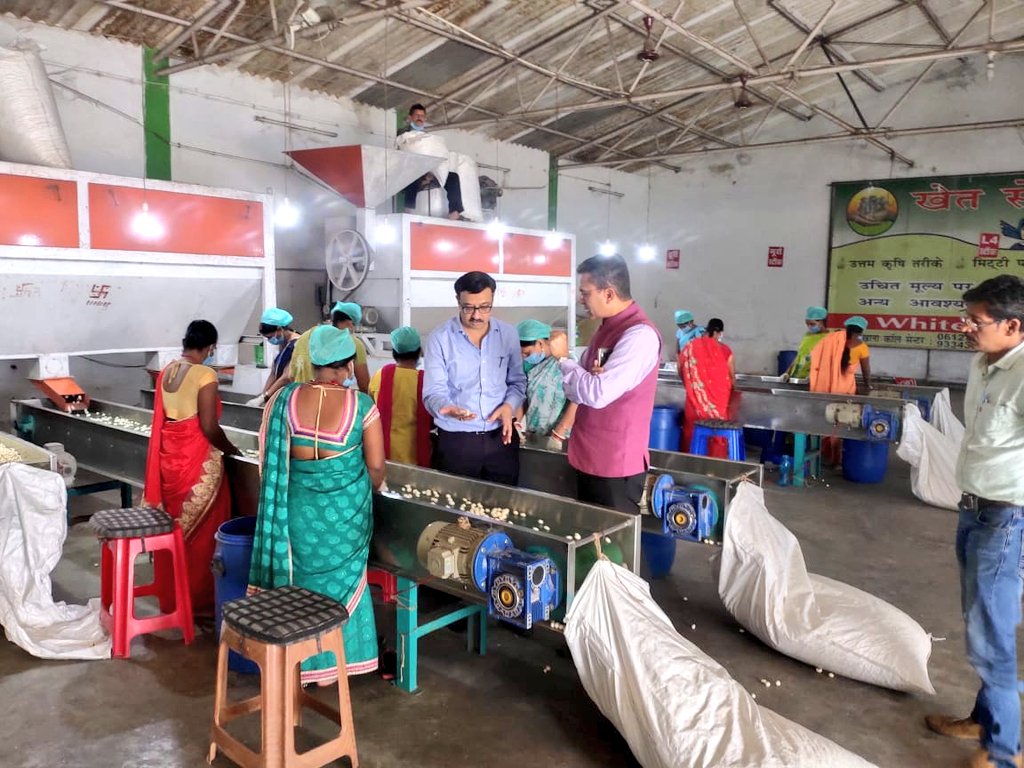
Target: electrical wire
111,365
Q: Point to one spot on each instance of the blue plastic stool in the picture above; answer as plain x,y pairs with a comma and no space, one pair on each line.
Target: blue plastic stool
705,429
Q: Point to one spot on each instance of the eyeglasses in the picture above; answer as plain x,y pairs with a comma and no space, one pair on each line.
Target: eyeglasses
966,324
469,310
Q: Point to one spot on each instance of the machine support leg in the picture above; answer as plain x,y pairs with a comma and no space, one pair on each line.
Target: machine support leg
799,452
806,450
406,619
410,630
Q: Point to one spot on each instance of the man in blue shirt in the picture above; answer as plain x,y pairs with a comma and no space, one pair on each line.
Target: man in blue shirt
473,383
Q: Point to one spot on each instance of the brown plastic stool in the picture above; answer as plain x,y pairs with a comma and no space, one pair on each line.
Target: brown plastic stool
278,629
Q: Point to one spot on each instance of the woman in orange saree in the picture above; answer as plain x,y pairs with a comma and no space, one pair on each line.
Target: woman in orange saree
185,464
707,369
834,365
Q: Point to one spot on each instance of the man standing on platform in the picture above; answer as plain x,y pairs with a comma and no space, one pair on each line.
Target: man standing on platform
989,533
473,385
614,386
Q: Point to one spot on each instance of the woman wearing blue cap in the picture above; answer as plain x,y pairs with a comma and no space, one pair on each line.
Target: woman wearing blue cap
836,360
546,412
276,327
322,454
814,319
345,316
397,389
686,329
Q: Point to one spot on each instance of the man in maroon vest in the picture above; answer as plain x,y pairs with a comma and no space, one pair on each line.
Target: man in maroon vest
614,387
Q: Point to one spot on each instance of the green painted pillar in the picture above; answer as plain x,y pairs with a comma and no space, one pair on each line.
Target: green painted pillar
552,192
156,118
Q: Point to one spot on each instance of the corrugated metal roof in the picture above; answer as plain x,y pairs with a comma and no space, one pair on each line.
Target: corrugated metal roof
563,75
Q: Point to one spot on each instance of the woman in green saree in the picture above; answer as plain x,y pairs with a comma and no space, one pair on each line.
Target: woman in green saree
321,454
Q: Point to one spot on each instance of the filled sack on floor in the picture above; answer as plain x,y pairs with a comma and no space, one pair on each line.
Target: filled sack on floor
765,585
932,457
33,526
674,705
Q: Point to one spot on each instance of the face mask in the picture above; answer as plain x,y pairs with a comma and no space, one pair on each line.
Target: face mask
534,359
276,340
350,382
416,127
210,359
816,328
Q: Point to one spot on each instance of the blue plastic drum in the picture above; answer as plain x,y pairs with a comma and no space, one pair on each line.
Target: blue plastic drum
658,553
231,575
666,432
865,461
785,359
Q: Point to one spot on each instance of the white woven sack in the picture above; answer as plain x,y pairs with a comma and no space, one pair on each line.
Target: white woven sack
675,705
765,585
30,129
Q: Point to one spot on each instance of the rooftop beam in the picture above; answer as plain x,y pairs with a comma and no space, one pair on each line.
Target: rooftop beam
1009,46
124,6
828,138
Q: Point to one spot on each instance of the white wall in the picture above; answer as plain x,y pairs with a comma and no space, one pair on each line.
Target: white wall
525,200
217,142
723,211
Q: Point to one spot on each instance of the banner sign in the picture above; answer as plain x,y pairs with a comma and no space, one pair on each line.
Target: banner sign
903,251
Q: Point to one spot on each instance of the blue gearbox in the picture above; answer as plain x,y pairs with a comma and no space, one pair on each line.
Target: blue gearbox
924,405
522,588
686,512
880,425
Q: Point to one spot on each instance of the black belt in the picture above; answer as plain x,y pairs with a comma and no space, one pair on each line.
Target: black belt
973,503
453,432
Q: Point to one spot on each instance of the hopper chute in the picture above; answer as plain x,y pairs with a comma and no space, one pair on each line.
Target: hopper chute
364,175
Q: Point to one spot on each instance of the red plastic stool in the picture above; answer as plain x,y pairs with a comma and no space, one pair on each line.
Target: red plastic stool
386,581
124,535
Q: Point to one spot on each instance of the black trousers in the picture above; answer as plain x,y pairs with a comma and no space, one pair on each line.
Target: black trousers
621,493
452,188
480,455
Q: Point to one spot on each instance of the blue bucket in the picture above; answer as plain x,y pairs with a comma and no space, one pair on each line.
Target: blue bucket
666,433
785,359
231,575
658,552
865,461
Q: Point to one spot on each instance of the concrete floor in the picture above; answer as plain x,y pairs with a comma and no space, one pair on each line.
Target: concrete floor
522,703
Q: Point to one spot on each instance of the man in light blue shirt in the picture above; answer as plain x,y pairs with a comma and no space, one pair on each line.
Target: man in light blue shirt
991,526
473,384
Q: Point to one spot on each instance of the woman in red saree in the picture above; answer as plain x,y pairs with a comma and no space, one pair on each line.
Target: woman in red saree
707,369
185,464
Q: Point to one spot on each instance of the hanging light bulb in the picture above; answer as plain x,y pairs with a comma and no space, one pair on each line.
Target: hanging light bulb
495,230
147,226
607,248
552,241
645,252
384,234
286,215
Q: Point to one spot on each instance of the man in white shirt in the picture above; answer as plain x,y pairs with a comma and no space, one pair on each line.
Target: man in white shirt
408,139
